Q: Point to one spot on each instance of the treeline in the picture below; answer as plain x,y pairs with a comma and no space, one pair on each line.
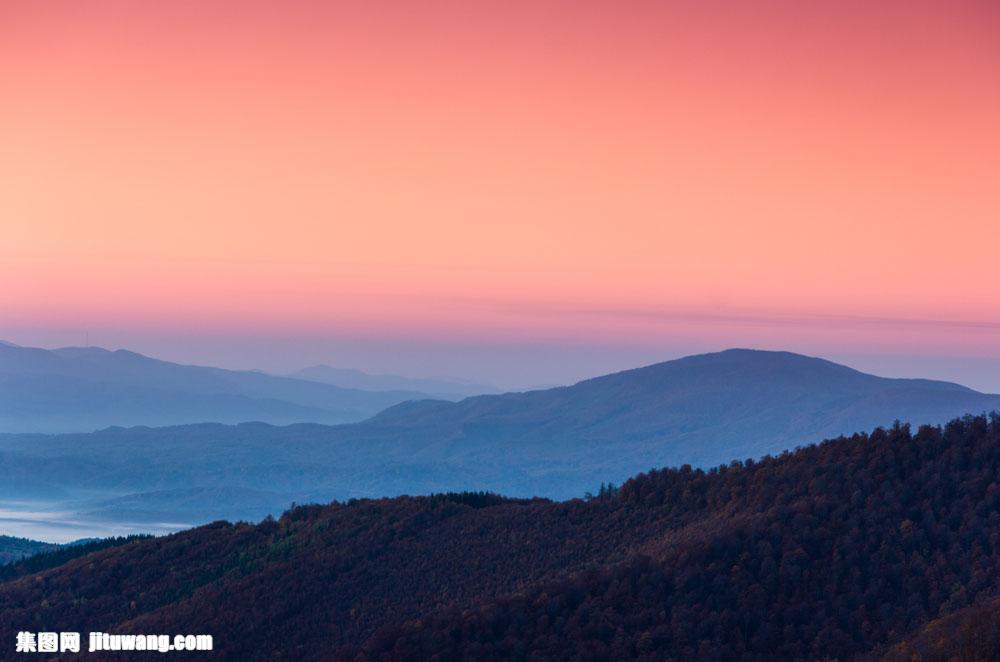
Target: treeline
834,551
827,553
13,549
57,555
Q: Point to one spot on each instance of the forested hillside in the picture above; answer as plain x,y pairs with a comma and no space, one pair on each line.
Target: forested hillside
14,549
831,552
49,555
968,635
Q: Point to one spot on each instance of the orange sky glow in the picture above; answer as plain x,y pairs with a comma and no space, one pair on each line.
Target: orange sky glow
816,175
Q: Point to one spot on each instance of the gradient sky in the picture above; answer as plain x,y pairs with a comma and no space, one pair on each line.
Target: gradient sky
527,192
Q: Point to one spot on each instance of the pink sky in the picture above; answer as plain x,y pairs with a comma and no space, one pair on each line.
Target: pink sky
648,177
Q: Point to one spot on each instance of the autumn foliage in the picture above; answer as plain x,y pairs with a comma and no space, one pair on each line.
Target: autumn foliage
834,551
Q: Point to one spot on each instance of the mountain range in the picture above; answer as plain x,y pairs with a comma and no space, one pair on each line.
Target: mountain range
850,549
559,443
439,387
14,549
76,389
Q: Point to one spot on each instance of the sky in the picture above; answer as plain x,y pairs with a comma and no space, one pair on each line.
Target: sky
521,192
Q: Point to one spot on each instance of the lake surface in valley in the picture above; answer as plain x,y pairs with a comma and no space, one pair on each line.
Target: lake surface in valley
37,521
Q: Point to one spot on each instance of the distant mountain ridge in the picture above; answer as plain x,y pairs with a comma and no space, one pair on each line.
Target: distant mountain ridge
703,410
14,549
86,388
433,386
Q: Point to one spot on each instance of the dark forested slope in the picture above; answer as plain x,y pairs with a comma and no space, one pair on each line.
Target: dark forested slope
14,549
834,551
971,634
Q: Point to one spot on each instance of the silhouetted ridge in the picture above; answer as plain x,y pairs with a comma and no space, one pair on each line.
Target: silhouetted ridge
14,549
86,388
56,555
451,389
556,443
835,551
